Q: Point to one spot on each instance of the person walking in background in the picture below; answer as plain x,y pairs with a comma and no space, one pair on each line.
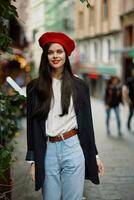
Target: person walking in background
129,97
112,99
60,137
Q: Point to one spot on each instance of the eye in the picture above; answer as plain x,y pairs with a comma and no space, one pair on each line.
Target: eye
50,52
60,51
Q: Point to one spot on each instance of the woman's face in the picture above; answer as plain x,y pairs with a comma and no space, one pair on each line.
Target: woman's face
115,81
56,56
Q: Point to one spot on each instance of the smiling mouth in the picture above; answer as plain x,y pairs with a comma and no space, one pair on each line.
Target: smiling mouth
55,61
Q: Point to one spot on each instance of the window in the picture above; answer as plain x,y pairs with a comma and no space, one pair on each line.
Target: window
109,49
67,24
129,36
34,35
91,16
81,20
106,50
96,50
105,9
93,46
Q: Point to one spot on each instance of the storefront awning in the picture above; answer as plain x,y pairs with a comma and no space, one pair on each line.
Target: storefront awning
106,70
129,50
100,70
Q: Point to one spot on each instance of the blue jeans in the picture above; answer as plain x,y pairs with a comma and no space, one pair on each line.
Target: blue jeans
64,170
117,115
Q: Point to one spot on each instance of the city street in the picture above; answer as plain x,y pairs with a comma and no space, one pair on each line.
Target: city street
116,152
52,41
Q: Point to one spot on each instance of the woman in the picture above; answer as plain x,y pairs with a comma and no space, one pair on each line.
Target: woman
129,96
59,125
113,98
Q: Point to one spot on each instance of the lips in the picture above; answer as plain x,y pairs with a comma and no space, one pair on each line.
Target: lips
55,61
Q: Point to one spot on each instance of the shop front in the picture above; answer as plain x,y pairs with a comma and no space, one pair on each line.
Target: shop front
96,77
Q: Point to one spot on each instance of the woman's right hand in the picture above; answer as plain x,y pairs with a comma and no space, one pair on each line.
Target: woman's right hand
32,172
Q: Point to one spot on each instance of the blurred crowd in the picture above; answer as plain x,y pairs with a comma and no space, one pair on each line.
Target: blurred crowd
117,93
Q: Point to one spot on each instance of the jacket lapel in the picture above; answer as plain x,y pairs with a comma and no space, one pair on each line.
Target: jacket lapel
77,97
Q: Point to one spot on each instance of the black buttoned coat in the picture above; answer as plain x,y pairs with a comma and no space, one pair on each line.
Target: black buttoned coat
37,139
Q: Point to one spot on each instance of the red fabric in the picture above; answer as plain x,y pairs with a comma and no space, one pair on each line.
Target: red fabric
58,37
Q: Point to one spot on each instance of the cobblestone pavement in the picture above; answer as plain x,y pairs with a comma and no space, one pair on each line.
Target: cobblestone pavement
116,152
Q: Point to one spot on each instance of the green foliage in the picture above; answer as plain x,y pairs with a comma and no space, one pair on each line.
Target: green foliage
7,12
9,108
88,4
32,72
5,160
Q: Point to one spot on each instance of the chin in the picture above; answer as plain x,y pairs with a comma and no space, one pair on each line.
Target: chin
56,66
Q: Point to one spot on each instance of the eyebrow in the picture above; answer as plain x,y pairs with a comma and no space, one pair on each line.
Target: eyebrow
56,50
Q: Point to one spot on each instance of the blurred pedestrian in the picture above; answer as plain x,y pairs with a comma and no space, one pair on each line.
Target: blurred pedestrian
60,136
129,96
113,98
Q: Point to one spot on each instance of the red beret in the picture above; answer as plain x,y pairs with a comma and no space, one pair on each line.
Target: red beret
58,37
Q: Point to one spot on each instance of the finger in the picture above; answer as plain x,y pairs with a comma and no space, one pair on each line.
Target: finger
33,179
32,176
101,170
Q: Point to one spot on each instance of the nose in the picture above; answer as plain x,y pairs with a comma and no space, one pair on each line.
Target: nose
55,55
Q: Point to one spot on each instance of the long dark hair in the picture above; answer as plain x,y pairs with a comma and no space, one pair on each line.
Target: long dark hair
44,86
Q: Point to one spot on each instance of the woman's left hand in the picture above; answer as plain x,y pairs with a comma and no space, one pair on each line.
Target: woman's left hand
100,167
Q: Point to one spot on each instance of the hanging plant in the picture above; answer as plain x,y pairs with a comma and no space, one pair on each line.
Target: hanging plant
7,12
87,2
10,107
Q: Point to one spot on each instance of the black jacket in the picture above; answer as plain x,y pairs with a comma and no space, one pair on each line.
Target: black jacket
113,96
36,133
130,85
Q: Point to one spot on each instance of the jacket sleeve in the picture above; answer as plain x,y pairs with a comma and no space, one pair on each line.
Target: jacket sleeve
30,137
89,103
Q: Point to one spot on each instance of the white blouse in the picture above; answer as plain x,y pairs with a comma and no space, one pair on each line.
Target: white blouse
55,124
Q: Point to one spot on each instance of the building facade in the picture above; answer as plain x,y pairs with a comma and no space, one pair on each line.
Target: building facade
35,26
99,34
127,22
47,15
59,16
15,63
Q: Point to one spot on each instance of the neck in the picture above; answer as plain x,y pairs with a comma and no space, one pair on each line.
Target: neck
57,73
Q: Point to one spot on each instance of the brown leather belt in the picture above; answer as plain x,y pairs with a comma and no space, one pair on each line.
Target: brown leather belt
63,136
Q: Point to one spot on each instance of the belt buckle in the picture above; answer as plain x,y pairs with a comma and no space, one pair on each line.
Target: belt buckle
61,135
